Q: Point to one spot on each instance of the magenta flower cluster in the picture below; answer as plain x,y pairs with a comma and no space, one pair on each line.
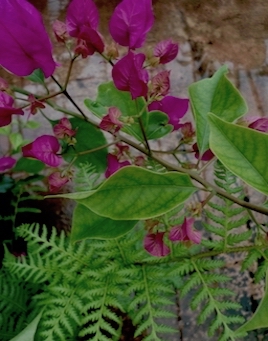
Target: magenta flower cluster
154,242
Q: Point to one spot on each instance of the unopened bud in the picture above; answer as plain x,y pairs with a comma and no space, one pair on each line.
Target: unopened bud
112,51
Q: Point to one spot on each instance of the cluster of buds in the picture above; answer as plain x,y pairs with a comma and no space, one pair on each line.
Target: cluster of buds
154,241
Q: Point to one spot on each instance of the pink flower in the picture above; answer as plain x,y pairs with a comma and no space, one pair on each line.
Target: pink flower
131,21
207,156
60,31
26,42
110,122
3,84
114,164
187,131
160,84
63,129
91,42
82,21
128,75
174,107
260,124
35,104
185,232
80,14
45,149
6,163
56,181
154,244
7,109
166,50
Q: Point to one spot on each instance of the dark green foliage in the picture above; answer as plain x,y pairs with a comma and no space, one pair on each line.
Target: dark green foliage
85,287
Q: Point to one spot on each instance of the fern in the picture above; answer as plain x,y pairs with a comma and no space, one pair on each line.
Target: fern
14,305
85,177
227,221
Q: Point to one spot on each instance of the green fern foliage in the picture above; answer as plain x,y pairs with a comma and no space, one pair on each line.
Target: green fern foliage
84,288
227,221
14,300
85,177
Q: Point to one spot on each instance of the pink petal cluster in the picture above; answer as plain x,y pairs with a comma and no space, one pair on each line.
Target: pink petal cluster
82,21
6,163
154,244
207,155
160,84
185,232
114,164
60,31
63,129
110,122
45,149
128,75
56,181
187,131
26,43
174,107
7,109
131,21
35,104
166,51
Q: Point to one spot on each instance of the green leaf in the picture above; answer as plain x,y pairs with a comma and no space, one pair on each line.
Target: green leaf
88,137
29,166
241,150
259,318
5,130
135,193
110,96
219,96
37,76
158,125
87,224
17,141
32,125
28,333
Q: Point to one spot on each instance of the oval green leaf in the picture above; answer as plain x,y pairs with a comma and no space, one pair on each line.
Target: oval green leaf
88,137
241,150
218,95
135,193
87,224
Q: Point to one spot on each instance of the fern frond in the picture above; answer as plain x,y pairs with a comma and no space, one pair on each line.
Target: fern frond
85,177
151,291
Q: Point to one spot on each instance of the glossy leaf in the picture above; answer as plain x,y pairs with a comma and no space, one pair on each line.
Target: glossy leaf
87,224
37,77
109,96
135,193
219,96
158,125
88,137
241,150
28,333
259,318
29,166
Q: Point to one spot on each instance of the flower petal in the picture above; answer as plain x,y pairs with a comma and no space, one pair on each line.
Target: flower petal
27,45
128,75
6,163
44,148
166,50
131,21
154,244
174,107
81,13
